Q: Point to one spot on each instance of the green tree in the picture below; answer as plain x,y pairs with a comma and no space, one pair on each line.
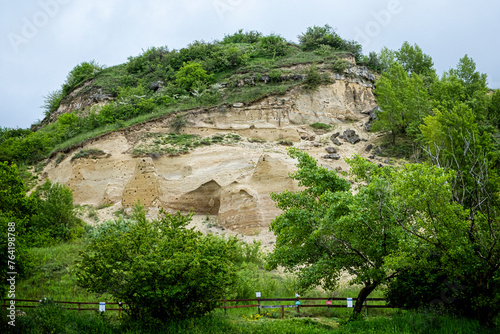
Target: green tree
414,60
54,219
494,108
473,81
192,75
160,268
15,209
328,229
462,236
403,101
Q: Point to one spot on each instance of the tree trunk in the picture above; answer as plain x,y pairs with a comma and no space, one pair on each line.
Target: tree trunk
363,294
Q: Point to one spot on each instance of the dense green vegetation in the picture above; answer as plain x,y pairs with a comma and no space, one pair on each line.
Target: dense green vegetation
424,234
243,67
419,227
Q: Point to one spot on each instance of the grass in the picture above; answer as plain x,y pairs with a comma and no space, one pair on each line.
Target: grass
53,276
320,126
50,319
250,94
92,153
174,144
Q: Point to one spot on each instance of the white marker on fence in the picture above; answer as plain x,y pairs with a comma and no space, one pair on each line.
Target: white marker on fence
349,302
102,306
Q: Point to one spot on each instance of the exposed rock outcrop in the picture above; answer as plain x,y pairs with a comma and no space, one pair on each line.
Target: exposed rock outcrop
231,181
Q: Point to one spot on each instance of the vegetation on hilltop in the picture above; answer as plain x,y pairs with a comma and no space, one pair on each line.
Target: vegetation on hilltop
242,67
428,231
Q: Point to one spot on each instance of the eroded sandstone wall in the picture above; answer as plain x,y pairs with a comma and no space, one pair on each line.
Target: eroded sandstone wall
231,181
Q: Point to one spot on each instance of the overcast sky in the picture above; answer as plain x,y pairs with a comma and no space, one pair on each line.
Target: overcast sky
41,41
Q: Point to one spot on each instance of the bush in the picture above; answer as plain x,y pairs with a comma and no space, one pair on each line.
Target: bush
433,290
339,65
314,78
146,61
275,75
54,219
320,126
131,102
272,46
192,76
248,37
52,101
92,153
160,268
315,37
79,74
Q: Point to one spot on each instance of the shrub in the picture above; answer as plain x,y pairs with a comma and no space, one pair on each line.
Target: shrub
248,37
131,102
162,269
325,51
55,219
192,75
145,62
272,46
339,65
434,290
178,123
316,36
51,101
275,75
320,126
79,74
314,78
92,153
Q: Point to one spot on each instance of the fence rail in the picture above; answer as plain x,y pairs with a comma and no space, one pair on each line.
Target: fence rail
298,303
79,308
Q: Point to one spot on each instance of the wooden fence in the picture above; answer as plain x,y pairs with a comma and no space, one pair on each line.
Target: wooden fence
79,308
328,302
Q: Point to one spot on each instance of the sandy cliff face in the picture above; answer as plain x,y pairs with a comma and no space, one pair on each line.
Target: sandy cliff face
231,181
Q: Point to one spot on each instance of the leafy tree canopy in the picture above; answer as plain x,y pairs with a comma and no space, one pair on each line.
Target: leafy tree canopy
326,229
162,269
403,99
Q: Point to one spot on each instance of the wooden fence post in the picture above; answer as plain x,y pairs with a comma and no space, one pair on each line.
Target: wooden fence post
258,302
119,309
225,309
282,311
79,308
